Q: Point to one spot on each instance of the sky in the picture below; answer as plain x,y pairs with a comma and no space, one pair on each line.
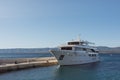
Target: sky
49,23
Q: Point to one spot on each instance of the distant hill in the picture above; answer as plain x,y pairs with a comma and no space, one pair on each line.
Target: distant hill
102,49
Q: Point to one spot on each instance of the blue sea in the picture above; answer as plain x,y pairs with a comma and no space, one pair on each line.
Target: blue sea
107,69
23,55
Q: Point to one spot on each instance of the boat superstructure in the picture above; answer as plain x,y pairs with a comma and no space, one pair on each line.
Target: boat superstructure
76,52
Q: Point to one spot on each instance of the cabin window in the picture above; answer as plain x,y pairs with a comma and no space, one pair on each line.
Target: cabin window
92,55
84,49
73,43
66,48
89,54
89,50
78,49
97,51
92,50
61,57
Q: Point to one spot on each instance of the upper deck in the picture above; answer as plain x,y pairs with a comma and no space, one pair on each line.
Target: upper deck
78,43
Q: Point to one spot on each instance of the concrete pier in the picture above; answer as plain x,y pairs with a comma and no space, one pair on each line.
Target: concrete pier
24,63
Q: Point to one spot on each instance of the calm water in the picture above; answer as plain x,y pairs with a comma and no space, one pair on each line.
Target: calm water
107,69
24,55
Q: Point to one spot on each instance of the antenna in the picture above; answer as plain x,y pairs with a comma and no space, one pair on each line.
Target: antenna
79,37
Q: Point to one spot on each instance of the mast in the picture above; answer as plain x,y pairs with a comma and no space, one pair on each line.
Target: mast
79,37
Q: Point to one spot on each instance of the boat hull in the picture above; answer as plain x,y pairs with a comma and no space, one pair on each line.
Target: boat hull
74,58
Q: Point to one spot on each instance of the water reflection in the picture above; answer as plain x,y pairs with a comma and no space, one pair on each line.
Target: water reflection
77,72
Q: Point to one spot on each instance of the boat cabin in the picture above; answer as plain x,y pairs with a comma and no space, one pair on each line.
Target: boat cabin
78,49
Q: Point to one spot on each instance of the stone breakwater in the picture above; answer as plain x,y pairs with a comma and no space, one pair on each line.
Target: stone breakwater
7,65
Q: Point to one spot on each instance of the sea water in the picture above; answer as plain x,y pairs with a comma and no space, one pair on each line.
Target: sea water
24,55
107,69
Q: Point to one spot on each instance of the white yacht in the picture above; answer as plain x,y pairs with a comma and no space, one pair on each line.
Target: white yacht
76,52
